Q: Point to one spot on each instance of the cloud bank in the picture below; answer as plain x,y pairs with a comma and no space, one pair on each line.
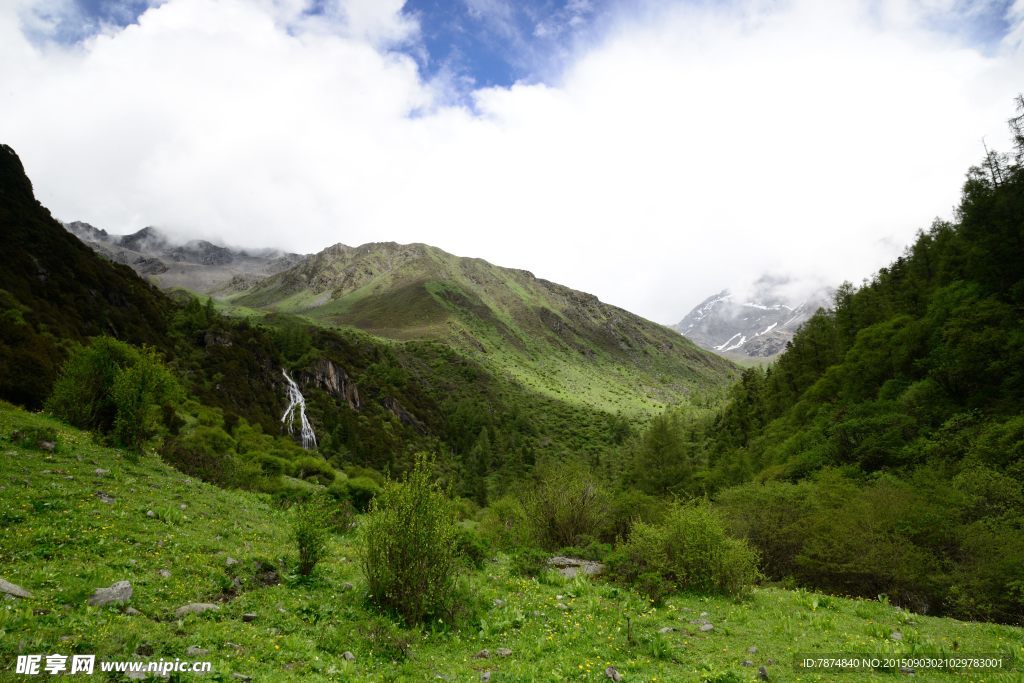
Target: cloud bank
688,149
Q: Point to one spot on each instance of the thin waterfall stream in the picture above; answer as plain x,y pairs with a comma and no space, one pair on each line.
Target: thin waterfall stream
297,400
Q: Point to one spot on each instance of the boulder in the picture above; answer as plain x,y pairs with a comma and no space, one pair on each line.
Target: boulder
195,608
9,588
118,592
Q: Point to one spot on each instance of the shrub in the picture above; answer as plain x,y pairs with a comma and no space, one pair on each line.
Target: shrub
316,469
114,388
503,523
310,532
362,491
566,506
408,546
209,454
529,562
689,550
472,547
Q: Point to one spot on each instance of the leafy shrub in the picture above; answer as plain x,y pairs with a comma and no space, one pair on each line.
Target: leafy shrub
34,437
362,491
313,468
272,465
472,547
566,505
503,523
529,562
408,546
310,532
209,454
114,388
689,550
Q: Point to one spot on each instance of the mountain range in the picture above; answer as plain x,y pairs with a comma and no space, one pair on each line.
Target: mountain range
758,323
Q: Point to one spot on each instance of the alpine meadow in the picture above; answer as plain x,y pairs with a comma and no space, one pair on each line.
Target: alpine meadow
224,459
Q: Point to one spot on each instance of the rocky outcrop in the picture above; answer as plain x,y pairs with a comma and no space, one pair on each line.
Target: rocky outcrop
403,415
8,588
333,379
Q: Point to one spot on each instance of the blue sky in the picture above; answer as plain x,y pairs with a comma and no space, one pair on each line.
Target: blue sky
648,151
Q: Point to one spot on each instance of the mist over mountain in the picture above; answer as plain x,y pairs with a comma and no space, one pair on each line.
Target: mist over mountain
756,320
196,265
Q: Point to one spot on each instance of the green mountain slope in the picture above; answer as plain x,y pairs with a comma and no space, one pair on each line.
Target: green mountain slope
554,340
77,519
54,290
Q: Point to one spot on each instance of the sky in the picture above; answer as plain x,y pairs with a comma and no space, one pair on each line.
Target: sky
651,152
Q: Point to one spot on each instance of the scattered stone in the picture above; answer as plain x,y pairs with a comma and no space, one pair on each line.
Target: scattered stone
48,446
14,590
752,650
230,561
119,592
165,573
570,567
562,606
896,635
249,617
144,650
234,646
105,497
183,507
703,615
133,562
483,654
498,602
706,628
345,587
195,608
747,662
40,612
196,651
348,656
100,472
666,629
242,677
485,676
613,673
132,612
150,513
503,652
909,670
762,673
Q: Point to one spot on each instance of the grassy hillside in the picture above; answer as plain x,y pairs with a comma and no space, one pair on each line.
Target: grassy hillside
77,518
554,340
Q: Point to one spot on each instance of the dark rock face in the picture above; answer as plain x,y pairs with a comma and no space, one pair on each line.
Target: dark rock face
403,415
333,379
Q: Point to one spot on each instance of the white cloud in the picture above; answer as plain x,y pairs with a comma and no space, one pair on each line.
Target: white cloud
688,150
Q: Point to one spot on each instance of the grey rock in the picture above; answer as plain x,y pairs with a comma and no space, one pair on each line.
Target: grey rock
183,507
105,497
132,612
896,635
249,617
242,677
348,656
747,662
562,606
118,592
485,676
483,654
195,651
150,513
14,590
762,673
165,573
100,472
613,673
666,629
498,602
195,608
230,561
706,628
571,567
752,650
48,446
503,652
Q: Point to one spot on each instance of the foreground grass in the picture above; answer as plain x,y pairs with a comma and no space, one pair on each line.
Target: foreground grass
62,540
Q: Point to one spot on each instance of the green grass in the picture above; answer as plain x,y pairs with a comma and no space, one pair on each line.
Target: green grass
61,541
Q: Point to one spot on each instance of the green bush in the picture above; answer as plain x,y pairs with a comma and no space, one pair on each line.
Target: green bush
362,491
503,523
209,454
310,532
472,547
688,550
566,506
408,546
312,468
114,388
529,562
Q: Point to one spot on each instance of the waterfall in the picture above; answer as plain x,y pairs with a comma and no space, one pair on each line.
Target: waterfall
297,400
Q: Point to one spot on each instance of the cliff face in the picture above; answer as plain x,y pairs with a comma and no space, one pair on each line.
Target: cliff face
333,379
